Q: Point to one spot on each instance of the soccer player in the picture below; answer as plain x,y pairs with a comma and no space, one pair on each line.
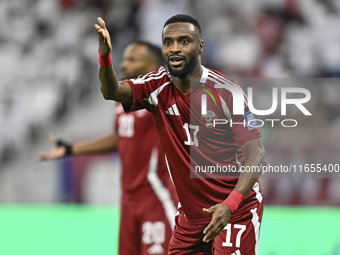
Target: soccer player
148,197
217,215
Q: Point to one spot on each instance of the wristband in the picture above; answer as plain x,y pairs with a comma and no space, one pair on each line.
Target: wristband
66,145
233,200
104,61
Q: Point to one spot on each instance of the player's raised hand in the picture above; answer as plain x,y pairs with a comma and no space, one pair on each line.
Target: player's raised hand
60,150
103,37
221,214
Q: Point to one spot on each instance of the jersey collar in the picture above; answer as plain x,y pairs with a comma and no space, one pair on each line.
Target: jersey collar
204,74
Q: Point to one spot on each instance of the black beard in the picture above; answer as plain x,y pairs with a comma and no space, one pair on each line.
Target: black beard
187,69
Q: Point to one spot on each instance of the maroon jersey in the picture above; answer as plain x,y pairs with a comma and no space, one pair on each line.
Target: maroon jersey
148,204
144,170
190,140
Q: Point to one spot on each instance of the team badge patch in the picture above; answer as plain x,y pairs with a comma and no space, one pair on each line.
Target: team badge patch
207,119
250,120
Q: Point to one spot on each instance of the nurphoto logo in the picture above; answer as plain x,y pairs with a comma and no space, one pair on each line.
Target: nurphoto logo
239,96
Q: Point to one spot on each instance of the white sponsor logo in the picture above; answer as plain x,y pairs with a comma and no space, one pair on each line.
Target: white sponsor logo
172,110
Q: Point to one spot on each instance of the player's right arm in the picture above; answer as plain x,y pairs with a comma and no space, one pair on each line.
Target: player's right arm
111,88
103,145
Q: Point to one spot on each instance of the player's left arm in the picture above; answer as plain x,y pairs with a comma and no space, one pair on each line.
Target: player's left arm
256,159
255,154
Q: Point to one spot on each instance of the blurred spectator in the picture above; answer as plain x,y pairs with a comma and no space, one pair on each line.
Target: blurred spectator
14,126
49,55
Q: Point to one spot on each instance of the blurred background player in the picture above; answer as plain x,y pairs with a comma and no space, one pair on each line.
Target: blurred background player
147,203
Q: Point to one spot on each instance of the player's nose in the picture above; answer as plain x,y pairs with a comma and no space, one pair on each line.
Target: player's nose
175,48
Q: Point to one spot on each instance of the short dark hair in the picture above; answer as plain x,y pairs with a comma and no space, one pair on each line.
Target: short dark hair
184,18
154,50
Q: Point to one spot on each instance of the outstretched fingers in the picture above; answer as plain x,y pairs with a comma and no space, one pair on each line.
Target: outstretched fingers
54,153
212,230
221,215
104,37
101,28
101,22
209,230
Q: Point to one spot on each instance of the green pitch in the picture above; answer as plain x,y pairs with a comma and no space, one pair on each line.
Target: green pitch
88,230
58,230
300,231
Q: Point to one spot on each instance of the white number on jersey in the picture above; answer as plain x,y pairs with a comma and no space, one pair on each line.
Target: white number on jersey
126,125
227,242
187,129
153,232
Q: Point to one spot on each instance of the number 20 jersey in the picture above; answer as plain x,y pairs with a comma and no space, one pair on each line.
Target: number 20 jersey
190,141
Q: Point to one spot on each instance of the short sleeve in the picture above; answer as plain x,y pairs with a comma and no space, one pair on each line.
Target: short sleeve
143,88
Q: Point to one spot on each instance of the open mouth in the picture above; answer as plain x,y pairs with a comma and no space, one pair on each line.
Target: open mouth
176,60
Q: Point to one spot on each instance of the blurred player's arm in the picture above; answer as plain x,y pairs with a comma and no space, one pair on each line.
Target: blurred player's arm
62,148
255,154
111,88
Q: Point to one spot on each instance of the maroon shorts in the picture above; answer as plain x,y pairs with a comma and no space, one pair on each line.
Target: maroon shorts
145,228
237,238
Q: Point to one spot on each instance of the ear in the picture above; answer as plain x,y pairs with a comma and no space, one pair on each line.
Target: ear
201,46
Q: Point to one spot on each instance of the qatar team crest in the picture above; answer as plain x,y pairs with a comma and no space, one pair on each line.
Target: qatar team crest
207,119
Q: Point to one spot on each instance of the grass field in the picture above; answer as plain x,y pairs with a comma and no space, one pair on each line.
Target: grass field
88,230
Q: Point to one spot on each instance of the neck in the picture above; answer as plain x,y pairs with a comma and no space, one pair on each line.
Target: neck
183,83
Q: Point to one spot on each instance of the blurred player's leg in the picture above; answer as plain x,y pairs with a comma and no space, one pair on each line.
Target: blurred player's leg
129,235
156,228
